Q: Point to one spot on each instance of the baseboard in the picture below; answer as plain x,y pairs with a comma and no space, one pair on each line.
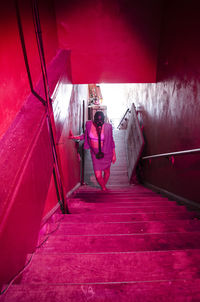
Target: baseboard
51,213
73,189
171,195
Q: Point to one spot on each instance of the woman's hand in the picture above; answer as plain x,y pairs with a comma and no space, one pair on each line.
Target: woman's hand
78,137
71,135
114,157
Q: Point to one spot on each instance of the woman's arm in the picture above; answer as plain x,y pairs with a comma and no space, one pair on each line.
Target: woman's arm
113,145
72,136
114,157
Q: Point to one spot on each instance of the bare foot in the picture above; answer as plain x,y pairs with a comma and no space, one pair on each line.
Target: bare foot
104,189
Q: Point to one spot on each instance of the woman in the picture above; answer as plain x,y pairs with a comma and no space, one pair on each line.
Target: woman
99,139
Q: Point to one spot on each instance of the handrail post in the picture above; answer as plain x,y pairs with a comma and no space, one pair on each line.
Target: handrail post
128,110
82,147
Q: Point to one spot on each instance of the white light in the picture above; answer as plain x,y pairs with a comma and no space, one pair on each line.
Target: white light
114,97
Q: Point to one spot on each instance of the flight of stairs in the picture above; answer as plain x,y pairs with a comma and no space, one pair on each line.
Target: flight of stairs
128,244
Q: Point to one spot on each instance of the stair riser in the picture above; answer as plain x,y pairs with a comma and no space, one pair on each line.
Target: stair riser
126,217
124,204
128,228
105,210
124,243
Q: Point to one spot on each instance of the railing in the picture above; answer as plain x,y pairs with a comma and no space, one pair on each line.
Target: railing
172,153
49,112
134,143
123,118
82,147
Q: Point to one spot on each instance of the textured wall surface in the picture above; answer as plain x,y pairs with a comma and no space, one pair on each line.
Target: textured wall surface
27,191
106,44
26,159
170,109
15,88
110,41
134,142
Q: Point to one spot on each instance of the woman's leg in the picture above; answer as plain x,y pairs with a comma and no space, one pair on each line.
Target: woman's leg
106,175
100,179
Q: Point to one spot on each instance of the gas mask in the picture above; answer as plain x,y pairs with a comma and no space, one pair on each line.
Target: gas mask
99,119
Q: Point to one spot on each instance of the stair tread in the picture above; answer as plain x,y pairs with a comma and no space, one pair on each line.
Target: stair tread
113,267
166,291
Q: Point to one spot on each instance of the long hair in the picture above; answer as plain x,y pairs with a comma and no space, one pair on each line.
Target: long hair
99,121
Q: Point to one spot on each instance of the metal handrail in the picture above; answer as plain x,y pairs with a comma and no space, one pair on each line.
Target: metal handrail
128,110
172,153
49,110
82,147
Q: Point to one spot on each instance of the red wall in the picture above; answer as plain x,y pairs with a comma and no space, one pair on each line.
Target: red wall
68,113
170,108
15,86
27,191
111,41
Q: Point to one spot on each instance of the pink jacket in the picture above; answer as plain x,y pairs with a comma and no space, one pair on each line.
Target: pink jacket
108,145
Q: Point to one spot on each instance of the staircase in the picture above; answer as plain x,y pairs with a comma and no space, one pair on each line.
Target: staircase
128,244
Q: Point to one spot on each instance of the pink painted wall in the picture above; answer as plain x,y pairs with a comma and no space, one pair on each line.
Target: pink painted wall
111,41
26,158
170,108
15,87
68,113
67,148
27,191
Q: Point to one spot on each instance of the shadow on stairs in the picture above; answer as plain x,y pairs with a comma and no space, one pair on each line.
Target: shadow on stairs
128,244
